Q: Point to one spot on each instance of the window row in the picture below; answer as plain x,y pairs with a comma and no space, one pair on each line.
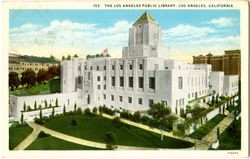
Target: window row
121,67
129,99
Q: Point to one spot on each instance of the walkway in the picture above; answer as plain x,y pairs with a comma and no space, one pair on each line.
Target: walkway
37,128
146,127
211,137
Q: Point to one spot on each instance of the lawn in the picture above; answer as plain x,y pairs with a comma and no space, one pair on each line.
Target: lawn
206,128
230,139
53,143
50,87
17,133
95,127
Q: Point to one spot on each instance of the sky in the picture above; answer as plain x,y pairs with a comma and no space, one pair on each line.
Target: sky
61,32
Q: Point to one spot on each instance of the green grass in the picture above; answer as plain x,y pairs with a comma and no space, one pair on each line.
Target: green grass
17,133
50,87
95,127
230,139
53,143
206,128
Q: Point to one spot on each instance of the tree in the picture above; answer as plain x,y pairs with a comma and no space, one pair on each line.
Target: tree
87,111
88,56
24,106
75,56
97,55
73,122
75,107
218,132
94,110
22,118
53,112
35,106
217,99
28,78
43,76
45,103
109,139
14,80
56,102
52,57
64,110
63,58
68,57
41,114
158,112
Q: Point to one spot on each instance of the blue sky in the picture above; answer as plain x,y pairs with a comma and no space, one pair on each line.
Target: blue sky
62,32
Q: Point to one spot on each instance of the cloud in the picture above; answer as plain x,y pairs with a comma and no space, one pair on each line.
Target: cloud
186,32
221,22
68,34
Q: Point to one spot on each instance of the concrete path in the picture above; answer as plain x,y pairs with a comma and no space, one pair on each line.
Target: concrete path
211,137
37,128
28,140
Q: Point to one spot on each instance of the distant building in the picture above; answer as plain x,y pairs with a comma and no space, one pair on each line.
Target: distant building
20,63
229,63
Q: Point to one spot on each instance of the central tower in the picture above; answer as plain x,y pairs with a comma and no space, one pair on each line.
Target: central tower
145,39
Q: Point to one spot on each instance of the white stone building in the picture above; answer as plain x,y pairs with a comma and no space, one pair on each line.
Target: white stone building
144,75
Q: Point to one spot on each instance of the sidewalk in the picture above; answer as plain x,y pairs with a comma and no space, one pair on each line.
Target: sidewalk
211,137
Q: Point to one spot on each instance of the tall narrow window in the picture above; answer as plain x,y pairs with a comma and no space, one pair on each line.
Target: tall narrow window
98,78
129,99
130,81
150,102
140,66
112,97
113,81
139,100
121,81
180,82
151,82
121,67
130,66
140,82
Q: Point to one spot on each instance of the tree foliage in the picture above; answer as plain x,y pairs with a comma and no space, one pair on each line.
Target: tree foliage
14,80
28,78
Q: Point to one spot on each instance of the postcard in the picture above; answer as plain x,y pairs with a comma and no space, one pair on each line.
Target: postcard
125,79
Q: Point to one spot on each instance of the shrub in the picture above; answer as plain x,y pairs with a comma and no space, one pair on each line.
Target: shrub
109,139
42,134
38,121
73,122
94,110
28,108
78,111
145,120
50,105
137,116
117,122
56,102
169,121
182,113
87,111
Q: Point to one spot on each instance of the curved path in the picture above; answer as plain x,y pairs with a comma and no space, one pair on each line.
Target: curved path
37,128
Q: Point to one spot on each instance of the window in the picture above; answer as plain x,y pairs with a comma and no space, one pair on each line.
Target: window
79,80
150,102
97,67
140,66
130,81
121,81
85,67
176,103
112,97
120,98
104,87
113,67
180,82
130,66
104,67
129,99
139,100
91,67
140,82
99,87
104,78
104,96
113,81
98,78
151,82
121,67
79,68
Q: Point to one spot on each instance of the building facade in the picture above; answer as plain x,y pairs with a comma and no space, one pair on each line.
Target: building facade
19,64
144,75
229,63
